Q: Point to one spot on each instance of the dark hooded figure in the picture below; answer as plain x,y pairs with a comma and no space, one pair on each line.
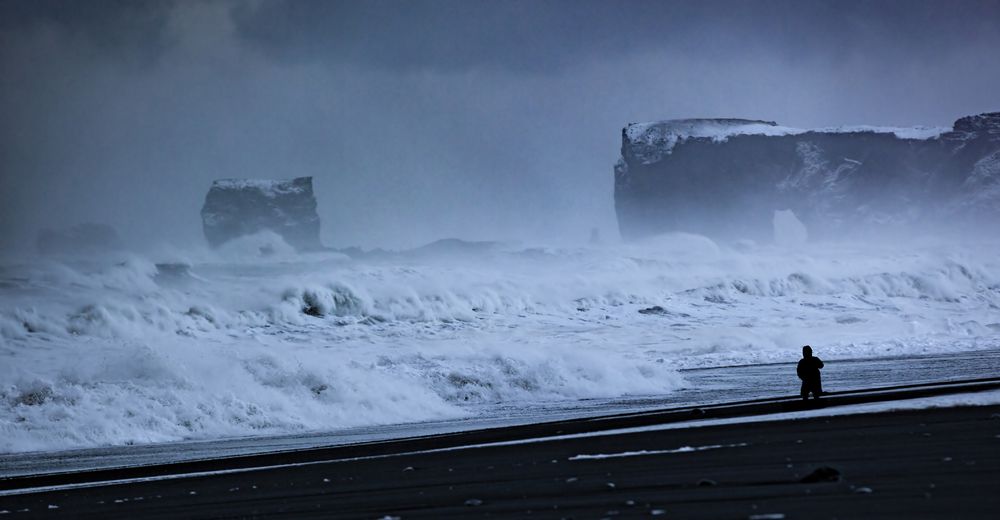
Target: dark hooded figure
808,371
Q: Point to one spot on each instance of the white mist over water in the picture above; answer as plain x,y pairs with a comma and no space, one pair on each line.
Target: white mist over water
121,350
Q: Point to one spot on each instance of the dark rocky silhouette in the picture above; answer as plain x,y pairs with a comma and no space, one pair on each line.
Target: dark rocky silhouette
726,178
238,207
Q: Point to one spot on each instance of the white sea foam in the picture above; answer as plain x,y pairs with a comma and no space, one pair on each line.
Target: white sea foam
122,350
646,453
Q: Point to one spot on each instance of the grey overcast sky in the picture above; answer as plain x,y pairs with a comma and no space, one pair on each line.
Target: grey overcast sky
429,119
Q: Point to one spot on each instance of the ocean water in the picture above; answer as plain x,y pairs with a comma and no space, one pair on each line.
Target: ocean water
131,349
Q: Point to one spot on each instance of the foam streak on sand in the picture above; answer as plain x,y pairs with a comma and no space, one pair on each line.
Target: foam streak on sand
124,350
988,398
642,453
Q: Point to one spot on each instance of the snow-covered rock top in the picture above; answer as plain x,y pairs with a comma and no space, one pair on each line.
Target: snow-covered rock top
269,187
987,124
649,142
714,128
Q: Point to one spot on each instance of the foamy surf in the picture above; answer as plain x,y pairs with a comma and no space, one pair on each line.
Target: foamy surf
126,350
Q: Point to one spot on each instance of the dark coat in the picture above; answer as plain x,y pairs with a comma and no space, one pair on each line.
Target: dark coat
808,369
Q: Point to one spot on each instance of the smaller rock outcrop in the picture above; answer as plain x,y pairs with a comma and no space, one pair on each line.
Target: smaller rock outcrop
239,207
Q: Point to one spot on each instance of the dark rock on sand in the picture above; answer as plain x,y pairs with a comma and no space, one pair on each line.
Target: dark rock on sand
822,474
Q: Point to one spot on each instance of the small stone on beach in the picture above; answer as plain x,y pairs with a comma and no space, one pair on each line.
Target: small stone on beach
822,474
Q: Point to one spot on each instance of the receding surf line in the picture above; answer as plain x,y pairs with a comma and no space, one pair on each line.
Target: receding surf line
641,453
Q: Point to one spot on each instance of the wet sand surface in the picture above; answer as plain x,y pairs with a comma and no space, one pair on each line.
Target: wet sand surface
934,463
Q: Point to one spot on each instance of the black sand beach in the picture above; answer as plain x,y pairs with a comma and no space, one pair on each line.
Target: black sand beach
935,463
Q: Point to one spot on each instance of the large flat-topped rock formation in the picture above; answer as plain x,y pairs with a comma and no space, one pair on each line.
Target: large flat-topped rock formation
726,178
238,207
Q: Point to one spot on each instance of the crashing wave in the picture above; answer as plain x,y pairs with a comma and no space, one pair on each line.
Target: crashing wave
132,351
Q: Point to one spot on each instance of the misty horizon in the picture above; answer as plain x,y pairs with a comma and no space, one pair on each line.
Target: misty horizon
430,120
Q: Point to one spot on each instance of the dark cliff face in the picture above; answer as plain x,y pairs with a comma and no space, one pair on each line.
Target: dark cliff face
238,207
726,178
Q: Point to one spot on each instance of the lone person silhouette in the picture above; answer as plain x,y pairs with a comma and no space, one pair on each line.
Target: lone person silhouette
808,371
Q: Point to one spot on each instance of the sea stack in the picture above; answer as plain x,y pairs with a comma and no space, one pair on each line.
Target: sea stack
238,207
